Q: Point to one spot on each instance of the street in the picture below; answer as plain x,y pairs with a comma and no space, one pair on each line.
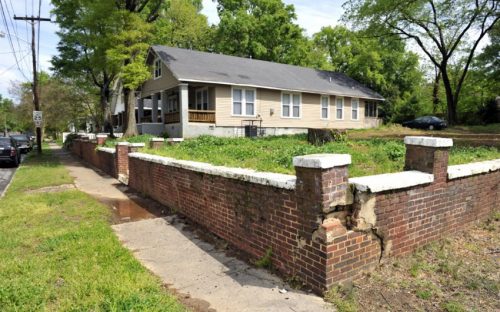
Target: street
6,174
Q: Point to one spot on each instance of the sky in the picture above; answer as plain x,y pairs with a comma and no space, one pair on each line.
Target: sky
311,16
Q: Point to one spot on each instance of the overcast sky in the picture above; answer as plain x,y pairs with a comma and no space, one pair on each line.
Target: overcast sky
311,15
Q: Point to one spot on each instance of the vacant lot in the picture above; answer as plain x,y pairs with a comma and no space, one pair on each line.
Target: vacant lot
456,274
369,156
58,252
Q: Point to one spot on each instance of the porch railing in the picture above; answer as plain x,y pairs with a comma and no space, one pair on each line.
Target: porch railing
174,117
201,116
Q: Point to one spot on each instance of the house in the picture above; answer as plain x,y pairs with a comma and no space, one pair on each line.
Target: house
193,93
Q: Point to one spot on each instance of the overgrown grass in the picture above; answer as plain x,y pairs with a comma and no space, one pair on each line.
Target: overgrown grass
370,156
490,128
58,252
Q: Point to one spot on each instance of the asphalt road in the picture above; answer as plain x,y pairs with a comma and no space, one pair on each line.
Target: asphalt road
6,174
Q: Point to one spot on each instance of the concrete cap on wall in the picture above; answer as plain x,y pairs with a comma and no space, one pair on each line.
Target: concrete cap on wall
122,143
175,139
157,139
428,141
322,161
101,136
137,144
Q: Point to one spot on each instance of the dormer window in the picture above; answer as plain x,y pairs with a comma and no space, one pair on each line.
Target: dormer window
157,69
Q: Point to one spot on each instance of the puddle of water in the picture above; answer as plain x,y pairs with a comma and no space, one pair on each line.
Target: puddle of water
129,210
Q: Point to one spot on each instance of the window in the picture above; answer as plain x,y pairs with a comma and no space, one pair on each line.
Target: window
325,107
202,99
290,105
157,69
173,103
243,102
370,109
339,103
354,109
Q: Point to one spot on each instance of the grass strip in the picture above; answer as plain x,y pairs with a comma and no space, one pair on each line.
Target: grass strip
59,253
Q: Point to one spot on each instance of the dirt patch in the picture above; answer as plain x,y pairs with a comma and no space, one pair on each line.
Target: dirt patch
52,189
193,304
460,273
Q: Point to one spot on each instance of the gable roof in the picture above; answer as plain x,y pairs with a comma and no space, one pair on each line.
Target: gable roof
195,66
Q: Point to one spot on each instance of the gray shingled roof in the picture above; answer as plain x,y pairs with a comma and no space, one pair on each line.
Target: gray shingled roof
189,65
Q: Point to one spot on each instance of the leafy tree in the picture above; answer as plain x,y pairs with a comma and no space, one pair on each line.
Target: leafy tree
7,119
63,102
382,63
445,30
183,26
261,29
129,50
86,29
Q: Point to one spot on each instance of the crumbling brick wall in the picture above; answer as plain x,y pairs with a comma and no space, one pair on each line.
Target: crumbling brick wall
323,229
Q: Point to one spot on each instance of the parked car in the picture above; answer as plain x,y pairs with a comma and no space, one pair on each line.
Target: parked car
24,142
9,151
426,122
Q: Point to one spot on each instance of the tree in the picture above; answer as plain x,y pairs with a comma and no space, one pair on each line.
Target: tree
443,29
130,46
382,63
261,29
7,121
63,101
86,30
183,26
129,52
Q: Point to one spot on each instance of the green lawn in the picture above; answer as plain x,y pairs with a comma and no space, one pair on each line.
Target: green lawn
58,252
369,156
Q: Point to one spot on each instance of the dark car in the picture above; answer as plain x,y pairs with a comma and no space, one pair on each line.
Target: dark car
9,151
426,122
23,142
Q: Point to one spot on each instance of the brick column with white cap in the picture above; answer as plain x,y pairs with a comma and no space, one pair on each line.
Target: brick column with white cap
428,154
322,182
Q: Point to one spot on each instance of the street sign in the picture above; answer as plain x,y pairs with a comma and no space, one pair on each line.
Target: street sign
37,118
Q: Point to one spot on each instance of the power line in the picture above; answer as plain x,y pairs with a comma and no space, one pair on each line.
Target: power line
10,40
13,64
36,99
16,32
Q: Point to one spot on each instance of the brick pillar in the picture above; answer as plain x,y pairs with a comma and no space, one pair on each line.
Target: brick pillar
101,139
156,142
322,184
121,159
122,151
428,154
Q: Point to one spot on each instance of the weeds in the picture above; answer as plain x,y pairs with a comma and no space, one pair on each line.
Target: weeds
266,260
344,299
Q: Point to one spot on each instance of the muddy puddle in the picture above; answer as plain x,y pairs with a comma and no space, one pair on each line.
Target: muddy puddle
133,209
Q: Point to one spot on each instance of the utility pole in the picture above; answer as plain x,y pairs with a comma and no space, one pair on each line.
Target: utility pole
36,100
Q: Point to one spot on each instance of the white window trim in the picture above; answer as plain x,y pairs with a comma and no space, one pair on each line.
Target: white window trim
291,105
243,102
343,106
321,107
154,69
352,108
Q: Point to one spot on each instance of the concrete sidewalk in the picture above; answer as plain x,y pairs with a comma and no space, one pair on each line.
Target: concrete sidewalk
194,268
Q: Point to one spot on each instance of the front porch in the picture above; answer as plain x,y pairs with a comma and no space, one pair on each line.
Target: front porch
176,107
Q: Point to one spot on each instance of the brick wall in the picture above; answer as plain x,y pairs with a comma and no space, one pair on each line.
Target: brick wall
325,228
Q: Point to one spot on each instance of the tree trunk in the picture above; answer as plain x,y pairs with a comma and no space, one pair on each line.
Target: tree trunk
435,91
450,99
131,126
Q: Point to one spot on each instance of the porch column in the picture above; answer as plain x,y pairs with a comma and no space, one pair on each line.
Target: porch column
164,97
140,109
183,108
154,112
